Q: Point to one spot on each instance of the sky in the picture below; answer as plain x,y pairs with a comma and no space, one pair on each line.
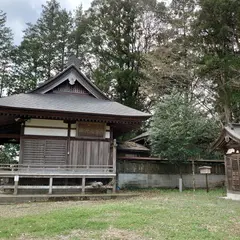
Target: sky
19,12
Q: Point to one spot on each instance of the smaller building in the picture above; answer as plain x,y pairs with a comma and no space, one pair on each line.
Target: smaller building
229,142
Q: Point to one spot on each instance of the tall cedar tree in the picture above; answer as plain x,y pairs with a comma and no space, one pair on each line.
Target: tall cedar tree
171,64
6,47
217,31
79,39
45,48
120,32
27,62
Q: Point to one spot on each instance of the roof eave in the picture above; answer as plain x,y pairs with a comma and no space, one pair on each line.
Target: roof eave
29,111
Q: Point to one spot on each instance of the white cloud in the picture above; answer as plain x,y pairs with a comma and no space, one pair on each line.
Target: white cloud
19,12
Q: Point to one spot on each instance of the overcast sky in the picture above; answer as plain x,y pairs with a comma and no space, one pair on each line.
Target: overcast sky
20,12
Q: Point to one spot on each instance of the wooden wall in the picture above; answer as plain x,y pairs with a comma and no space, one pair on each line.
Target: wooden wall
45,127
162,167
89,153
48,142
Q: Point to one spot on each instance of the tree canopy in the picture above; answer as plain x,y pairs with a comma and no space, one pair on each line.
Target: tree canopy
180,130
138,52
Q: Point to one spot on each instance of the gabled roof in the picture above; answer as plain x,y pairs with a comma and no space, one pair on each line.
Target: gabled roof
229,136
47,97
69,103
71,74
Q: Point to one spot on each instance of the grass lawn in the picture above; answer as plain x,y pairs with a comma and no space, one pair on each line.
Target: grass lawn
155,214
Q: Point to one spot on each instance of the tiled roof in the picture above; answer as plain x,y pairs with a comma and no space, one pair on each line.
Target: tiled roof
69,103
132,146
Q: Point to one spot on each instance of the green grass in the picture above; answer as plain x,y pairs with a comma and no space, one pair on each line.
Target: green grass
156,214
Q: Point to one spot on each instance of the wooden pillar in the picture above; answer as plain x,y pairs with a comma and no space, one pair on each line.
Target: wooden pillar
68,143
21,160
114,155
114,164
16,180
50,185
83,184
88,154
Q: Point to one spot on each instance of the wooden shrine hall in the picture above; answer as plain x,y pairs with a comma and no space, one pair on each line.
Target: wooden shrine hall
229,142
67,130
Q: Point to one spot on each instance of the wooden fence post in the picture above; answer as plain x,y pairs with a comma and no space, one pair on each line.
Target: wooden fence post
193,176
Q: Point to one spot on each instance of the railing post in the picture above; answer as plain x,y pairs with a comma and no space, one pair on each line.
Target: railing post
83,184
50,185
16,180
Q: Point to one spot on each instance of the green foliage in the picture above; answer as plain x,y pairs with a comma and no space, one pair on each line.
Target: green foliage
6,46
171,65
118,41
217,33
180,131
146,50
46,47
9,153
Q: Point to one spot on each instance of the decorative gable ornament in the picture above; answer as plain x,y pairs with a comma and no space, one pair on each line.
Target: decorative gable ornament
72,78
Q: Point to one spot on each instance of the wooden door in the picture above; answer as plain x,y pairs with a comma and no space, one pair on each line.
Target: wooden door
233,172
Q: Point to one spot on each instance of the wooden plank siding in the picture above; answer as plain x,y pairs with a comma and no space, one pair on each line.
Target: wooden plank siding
54,142
44,151
54,152
90,153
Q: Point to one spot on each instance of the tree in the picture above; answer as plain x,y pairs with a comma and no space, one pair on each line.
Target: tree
27,65
117,43
171,65
63,42
80,39
217,32
180,130
9,153
6,46
45,48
